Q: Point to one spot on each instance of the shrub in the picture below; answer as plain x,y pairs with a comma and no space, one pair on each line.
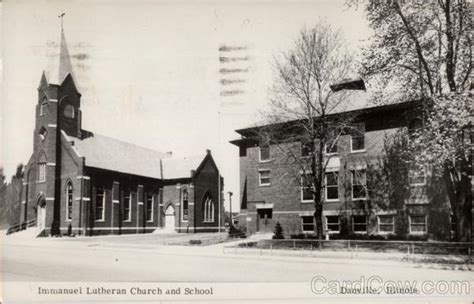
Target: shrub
195,242
278,232
248,244
237,231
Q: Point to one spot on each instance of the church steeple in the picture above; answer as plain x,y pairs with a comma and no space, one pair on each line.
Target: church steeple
60,65
59,102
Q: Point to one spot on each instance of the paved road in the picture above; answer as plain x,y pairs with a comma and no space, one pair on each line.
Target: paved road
68,261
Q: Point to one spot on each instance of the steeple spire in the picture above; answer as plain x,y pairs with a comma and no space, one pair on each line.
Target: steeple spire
60,64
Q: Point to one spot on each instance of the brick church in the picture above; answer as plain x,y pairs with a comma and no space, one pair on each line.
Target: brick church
80,182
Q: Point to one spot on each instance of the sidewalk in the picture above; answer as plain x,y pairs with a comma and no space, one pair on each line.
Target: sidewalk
231,250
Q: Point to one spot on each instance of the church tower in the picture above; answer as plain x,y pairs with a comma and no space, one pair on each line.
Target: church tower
57,111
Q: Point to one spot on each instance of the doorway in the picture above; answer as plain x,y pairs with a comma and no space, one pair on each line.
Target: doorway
264,220
169,218
40,215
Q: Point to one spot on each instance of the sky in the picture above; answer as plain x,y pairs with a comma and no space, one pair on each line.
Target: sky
148,71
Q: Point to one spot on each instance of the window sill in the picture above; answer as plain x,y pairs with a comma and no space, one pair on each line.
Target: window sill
360,232
208,222
68,220
358,151
332,201
418,233
149,221
126,221
264,185
386,233
260,161
41,182
359,199
306,201
100,221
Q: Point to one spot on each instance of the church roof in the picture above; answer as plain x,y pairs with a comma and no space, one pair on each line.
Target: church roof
179,167
107,153
111,154
59,65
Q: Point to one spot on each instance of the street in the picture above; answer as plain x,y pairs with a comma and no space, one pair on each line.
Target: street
97,260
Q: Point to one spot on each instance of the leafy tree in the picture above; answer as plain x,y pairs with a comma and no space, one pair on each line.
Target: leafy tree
423,50
12,201
302,100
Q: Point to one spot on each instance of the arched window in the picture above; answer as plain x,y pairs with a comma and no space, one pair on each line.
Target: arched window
100,204
69,111
69,200
42,168
43,110
208,210
185,205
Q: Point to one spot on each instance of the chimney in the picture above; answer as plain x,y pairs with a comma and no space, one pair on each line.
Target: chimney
169,153
349,84
208,151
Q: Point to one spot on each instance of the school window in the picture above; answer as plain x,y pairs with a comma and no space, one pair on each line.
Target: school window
69,201
149,208
185,205
332,186
417,177
417,223
331,147
100,205
306,188
357,140
208,210
264,152
386,223
127,206
332,223
307,223
264,177
359,183
307,148
42,172
359,223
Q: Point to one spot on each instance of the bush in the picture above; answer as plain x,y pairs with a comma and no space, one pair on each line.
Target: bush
237,231
195,242
248,244
278,232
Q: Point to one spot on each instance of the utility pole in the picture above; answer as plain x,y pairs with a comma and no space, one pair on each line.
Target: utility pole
230,202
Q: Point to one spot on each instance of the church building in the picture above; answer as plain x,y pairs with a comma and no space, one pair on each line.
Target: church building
83,183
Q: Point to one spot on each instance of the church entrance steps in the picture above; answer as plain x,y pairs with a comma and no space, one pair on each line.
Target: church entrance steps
27,234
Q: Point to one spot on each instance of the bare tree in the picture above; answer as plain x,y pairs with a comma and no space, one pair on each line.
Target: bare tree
303,101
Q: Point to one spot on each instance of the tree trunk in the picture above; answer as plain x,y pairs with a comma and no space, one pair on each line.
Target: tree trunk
460,198
318,217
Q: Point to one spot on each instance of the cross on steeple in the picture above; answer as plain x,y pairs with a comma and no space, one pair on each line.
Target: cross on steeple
61,17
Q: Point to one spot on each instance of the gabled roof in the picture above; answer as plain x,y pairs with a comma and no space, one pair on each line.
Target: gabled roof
111,154
60,64
179,167
107,153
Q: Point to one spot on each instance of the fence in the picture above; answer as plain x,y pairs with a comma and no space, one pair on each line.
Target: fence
461,250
